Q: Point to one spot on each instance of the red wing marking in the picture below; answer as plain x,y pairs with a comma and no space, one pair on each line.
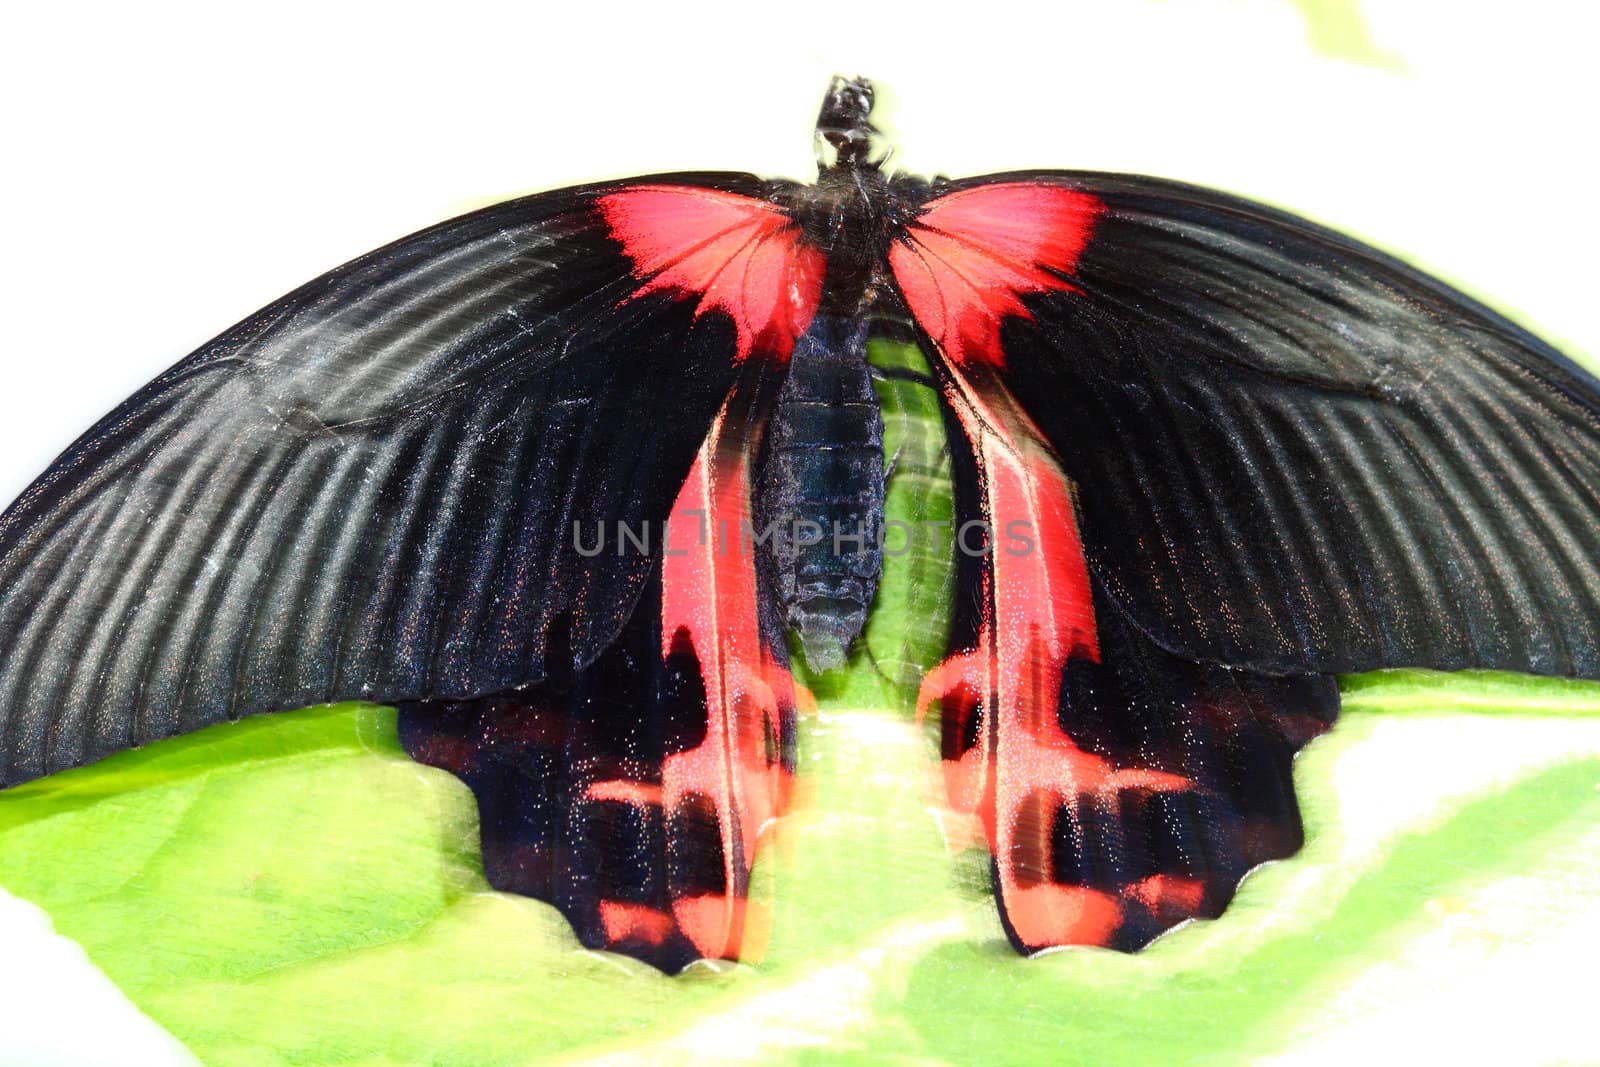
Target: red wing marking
739,255
1168,896
717,797
639,794
634,922
1023,768
709,594
966,261
1061,914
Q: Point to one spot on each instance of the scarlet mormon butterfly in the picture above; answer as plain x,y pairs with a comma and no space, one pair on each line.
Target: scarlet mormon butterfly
1214,455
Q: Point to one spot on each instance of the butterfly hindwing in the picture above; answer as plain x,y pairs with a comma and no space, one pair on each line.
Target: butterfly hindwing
633,794
1120,789
1286,455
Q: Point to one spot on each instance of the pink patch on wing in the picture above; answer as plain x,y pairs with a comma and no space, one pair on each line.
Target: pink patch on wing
639,794
1168,896
629,922
966,261
741,256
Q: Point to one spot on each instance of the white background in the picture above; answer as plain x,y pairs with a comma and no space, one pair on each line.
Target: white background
169,168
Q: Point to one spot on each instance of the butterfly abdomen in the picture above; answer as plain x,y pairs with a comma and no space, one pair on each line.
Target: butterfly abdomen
820,490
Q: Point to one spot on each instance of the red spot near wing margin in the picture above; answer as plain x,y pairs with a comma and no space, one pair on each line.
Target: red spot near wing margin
964,263
739,255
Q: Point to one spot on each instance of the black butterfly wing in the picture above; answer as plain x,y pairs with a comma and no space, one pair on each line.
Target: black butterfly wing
1120,788
633,794
1251,453
444,476
366,490
1297,454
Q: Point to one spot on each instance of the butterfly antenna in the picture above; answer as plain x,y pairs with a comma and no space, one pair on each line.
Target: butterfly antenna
844,127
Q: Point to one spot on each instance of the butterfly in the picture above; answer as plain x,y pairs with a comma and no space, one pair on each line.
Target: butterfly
580,481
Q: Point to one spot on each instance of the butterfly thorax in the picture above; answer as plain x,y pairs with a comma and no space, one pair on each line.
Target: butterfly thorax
848,213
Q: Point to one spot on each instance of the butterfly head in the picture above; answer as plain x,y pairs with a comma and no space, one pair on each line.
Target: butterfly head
845,134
